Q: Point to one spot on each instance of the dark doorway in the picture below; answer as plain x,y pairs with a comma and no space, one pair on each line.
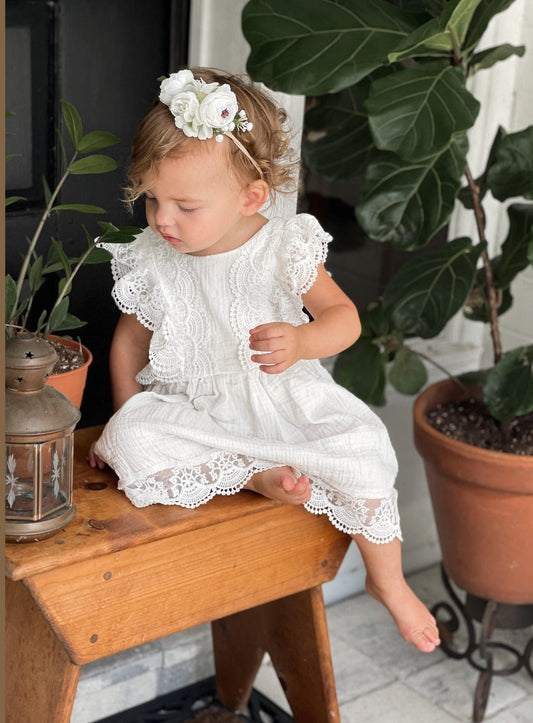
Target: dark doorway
104,58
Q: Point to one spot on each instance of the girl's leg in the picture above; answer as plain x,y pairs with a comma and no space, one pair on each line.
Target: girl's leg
282,484
385,582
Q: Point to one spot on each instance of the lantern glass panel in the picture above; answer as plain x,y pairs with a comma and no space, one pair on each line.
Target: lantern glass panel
38,478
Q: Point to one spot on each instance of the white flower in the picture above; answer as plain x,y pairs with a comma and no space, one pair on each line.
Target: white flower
202,109
176,83
184,106
218,110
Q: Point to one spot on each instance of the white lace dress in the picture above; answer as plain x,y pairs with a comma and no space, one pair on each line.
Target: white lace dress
209,418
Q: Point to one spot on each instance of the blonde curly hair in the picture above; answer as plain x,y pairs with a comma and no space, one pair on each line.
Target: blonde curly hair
268,143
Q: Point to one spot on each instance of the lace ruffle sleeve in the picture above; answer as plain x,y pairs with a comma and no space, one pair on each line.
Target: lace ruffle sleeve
131,267
306,247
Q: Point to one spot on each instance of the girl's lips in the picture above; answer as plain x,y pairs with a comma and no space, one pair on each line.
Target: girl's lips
171,239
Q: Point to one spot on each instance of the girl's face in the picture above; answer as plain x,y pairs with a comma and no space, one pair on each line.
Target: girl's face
195,203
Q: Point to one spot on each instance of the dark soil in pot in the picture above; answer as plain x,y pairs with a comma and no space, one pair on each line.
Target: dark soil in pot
471,422
67,358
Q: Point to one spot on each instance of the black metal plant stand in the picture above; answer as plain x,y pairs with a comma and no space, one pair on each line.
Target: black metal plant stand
479,654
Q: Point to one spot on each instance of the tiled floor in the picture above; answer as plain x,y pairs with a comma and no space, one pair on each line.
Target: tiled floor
382,679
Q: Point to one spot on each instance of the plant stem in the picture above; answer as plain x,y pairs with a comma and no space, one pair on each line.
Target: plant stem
438,366
492,299
35,238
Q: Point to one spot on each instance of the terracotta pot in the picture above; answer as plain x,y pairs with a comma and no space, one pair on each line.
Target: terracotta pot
72,384
483,506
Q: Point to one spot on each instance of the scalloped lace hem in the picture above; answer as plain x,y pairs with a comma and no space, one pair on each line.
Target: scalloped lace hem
227,473
190,487
377,520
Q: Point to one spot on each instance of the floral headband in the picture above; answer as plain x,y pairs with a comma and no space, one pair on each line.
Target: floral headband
202,109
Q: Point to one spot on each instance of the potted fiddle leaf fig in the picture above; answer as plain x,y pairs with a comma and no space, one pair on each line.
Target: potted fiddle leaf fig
391,105
47,257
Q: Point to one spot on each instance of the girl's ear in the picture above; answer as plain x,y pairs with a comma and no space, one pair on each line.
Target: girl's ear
255,195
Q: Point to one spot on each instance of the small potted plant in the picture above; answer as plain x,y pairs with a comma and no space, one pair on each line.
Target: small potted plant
46,257
392,105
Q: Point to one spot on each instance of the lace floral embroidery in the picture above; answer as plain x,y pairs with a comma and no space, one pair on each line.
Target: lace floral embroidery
133,290
176,348
377,519
225,474
306,246
290,255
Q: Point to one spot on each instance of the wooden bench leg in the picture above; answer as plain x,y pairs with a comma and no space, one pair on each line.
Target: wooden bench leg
41,680
293,631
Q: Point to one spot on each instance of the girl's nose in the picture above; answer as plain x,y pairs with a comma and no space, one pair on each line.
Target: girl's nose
162,216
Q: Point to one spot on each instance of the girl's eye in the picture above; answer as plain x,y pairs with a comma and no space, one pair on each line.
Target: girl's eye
186,210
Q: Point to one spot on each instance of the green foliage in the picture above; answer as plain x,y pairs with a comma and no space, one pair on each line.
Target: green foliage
36,265
391,105
431,288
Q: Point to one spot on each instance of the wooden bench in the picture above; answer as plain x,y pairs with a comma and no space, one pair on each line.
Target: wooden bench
118,576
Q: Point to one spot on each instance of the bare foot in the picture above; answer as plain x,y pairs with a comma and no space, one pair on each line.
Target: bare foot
281,483
414,621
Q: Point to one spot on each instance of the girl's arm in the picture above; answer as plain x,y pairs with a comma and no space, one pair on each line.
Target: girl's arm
128,355
335,327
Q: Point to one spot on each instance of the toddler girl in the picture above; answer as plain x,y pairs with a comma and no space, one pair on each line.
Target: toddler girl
214,364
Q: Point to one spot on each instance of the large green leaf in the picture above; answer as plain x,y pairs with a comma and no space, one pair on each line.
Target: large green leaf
361,370
117,235
93,164
62,256
515,248
482,17
489,57
431,287
407,373
414,113
46,190
10,290
73,122
314,47
13,199
508,389
511,172
81,207
460,20
407,203
96,140
69,322
98,256
59,315
440,36
35,274
338,140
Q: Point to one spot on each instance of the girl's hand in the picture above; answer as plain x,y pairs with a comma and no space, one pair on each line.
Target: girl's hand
280,344
93,459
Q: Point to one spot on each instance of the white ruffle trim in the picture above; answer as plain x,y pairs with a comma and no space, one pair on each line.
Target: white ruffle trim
190,487
376,519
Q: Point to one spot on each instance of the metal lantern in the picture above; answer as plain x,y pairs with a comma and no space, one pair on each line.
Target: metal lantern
39,428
